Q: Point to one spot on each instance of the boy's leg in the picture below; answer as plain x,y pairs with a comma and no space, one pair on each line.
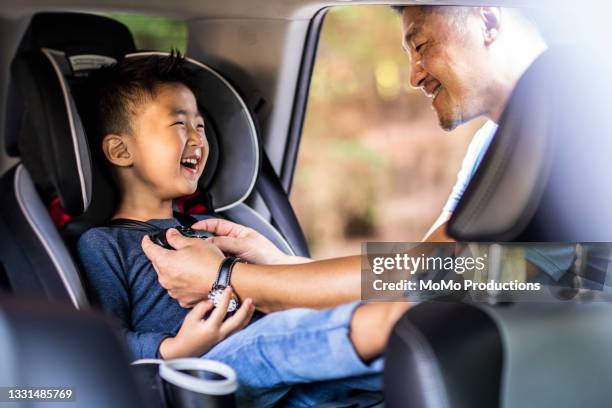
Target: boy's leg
303,345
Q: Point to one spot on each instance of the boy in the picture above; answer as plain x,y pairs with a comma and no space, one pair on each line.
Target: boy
151,134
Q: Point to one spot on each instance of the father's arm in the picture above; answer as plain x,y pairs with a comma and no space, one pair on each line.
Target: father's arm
316,284
189,272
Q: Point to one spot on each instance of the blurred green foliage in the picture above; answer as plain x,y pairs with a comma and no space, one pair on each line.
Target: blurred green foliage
155,33
360,51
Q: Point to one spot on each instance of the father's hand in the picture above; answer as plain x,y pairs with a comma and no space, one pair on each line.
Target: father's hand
188,272
244,242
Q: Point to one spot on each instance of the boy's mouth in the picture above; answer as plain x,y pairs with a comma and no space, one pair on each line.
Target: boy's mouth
192,161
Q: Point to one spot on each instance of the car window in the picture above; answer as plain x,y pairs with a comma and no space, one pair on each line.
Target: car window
155,33
373,163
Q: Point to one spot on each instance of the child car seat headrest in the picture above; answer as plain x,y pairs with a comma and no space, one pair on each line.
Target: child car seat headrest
47,132
545,175
234,160
79,36
43,125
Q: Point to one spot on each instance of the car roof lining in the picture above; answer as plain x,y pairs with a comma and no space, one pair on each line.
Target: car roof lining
228,9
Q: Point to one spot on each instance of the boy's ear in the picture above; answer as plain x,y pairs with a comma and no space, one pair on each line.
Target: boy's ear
117,150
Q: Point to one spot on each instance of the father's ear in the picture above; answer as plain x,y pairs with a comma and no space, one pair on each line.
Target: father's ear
117,150
491,22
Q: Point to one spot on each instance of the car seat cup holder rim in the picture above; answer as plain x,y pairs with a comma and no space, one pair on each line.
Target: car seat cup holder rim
171,371
186,382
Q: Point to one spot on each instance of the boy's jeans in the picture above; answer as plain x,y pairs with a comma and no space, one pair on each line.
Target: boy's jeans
304,355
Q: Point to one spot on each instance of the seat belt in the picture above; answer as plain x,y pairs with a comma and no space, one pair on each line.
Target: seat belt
275,197
185,220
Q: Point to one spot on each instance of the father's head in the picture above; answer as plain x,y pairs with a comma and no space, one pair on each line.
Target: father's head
467,59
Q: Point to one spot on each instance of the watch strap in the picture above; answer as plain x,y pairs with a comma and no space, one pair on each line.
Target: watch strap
225,271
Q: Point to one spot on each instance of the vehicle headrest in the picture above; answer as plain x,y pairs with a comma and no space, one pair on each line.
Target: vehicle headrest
545,176
43,125
84,38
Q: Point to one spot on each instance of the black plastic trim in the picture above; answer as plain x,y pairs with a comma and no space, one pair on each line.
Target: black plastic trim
284,219
300,101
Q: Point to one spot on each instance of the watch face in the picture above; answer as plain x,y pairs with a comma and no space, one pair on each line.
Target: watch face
217,293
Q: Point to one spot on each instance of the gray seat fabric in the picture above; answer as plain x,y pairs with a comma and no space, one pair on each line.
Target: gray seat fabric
33,253
37,218
245,215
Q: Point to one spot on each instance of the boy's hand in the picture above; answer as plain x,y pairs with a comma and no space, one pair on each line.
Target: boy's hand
188,272
196,336
245,243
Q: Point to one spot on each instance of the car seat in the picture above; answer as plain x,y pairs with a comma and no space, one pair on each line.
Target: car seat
544,179
57,174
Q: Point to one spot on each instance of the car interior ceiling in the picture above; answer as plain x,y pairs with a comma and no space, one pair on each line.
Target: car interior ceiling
563,196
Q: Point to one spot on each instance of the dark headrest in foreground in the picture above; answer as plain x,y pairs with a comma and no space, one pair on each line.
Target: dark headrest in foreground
443,354
545,176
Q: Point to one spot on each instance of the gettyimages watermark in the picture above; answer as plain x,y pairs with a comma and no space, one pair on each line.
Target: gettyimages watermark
488,272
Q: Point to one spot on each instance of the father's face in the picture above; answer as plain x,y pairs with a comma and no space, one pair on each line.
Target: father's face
446,61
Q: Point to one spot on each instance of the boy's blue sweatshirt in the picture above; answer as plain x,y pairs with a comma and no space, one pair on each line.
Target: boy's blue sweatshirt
122,280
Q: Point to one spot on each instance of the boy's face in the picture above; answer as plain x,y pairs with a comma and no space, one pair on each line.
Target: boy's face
168,144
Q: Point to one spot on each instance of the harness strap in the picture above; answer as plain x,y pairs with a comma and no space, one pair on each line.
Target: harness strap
185,220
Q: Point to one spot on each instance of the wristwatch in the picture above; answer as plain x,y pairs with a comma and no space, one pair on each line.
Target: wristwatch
222,282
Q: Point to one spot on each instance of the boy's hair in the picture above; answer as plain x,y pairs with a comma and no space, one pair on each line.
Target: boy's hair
115,92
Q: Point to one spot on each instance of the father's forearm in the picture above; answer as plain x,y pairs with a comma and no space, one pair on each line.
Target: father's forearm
315,284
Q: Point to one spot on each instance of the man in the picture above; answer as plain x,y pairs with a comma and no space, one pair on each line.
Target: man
467,59
442,65
445,45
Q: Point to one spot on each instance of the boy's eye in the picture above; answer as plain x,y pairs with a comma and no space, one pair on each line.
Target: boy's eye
179,123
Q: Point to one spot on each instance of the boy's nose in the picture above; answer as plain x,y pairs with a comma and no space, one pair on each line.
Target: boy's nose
196,138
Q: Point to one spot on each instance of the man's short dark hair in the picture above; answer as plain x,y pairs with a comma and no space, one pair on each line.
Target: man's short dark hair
115,92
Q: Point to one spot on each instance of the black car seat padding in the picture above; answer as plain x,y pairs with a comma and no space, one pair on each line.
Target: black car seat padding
542,179
50,343
444,354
